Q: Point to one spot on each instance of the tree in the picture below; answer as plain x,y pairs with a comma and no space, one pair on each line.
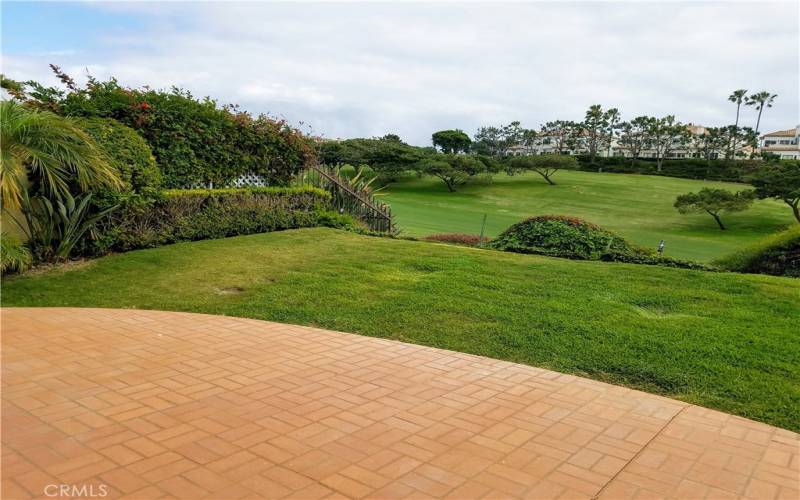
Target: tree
495,141
612,124
737,97
563,134
386,156
714,201
453,169
665,135
593,126
713,140
514,134
781,181
488,141
635,136
760,100
451,141
544,165
50,151
741,138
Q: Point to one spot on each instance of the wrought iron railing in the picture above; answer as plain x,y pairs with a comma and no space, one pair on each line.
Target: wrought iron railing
351,199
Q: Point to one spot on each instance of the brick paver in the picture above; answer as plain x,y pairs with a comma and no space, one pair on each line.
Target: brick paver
146,404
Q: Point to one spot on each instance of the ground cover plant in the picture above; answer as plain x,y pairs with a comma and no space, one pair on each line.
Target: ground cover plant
470,240
637,207
723,340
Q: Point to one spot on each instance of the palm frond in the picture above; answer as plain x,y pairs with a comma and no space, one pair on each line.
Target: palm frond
40,145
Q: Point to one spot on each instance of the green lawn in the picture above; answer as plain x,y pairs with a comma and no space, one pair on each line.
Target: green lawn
638,207
726,341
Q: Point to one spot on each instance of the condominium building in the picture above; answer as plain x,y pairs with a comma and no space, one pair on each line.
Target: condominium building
784,143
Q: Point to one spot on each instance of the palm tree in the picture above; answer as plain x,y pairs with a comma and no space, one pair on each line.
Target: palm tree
50,149
737,97
760,100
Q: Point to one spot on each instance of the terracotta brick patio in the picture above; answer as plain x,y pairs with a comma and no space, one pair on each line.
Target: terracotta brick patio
157,404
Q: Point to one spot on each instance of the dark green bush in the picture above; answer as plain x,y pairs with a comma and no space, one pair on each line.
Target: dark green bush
687,168
193,140
560,236
186,215
127,151
778,255
573,238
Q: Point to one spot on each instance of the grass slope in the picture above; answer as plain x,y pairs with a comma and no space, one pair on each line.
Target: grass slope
637,207
726,341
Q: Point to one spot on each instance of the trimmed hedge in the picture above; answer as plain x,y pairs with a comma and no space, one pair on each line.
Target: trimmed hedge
688,168
573,238
778,255
198,214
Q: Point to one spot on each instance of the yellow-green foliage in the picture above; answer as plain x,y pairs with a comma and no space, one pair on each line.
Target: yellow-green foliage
14,256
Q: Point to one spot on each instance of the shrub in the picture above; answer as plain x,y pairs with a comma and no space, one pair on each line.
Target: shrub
778,254
198,214
687,168
560,236
573,238
127,152
193,140
336,220
471,240
14,256
54,228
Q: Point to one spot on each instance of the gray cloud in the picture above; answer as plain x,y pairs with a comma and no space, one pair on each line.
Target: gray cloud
368,69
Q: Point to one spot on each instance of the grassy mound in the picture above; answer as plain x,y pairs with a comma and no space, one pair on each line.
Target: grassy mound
778,255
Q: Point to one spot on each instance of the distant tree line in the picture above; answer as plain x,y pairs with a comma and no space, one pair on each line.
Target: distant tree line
456,159
600,129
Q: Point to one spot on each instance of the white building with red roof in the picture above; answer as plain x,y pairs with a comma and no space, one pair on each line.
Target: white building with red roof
784,143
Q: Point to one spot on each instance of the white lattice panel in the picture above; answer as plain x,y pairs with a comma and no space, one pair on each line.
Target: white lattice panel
249,180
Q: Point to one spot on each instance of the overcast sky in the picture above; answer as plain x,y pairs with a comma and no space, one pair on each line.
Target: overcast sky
361,70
